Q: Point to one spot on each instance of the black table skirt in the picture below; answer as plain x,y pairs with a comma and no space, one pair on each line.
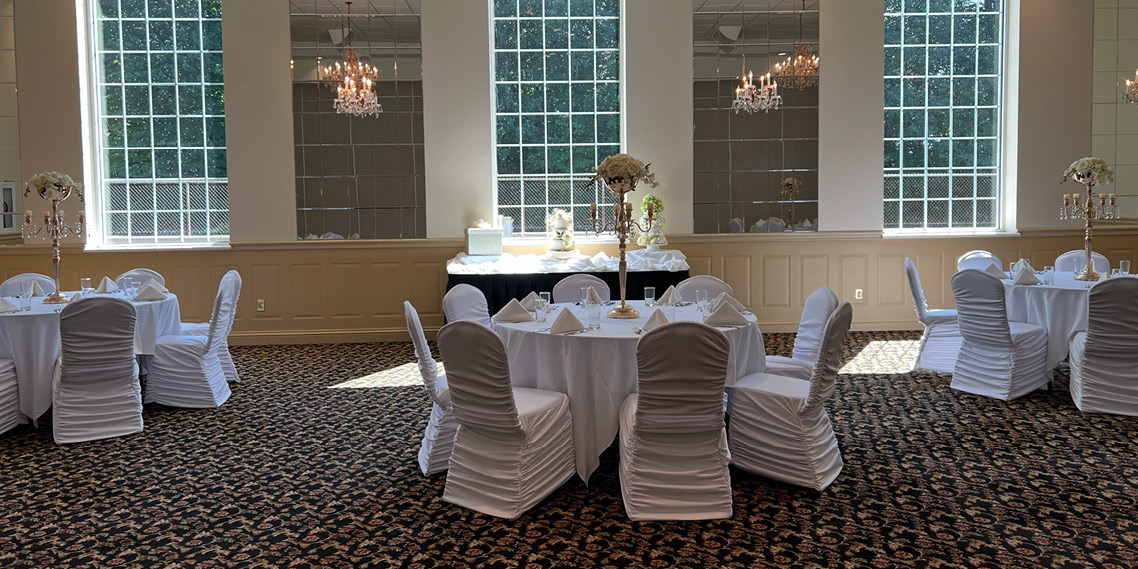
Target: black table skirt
499,289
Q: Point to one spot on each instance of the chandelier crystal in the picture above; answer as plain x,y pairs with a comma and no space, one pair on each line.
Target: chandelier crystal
801,69
762,97
353,80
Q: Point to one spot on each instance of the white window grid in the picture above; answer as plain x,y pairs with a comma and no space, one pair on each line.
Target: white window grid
962,189
153,209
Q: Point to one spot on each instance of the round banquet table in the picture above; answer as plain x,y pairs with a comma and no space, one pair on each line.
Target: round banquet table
597,369
1060,307
31,339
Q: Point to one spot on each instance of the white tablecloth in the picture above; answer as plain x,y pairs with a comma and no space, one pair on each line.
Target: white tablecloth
31,340
507,264
597,370
1061,308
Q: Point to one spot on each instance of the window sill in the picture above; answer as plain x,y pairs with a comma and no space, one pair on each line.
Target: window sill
154,246
945,233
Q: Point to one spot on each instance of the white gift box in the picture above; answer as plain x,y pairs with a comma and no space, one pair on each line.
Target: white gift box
486,241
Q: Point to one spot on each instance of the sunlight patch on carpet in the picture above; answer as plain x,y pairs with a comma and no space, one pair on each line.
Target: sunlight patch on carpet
405,375
884,356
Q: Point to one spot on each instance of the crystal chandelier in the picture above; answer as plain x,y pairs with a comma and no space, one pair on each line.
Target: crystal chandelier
1130,93
353,80
762,97
801,69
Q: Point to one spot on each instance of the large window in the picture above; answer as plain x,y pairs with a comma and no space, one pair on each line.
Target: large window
160,106
557,103
943,94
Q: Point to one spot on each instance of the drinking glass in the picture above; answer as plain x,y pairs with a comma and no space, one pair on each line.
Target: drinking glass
1011,268
594,316
584,295
546,297
669,311
85,284
1048,274
26,300
1124,267
649,295
540,309
701,299
135,284
1115,273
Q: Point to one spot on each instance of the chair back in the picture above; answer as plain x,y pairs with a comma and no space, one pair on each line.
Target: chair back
981,309
97,341
428,367
735,225
681,371
224,309
919,302
978,259
141,275
478,376
465,302
825,376
1112,323
1069,260
568,289
816,312
19,283
712,285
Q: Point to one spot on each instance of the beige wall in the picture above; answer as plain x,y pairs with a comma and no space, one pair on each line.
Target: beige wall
9,131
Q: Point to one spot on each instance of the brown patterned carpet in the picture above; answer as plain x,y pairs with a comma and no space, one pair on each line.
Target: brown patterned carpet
290,473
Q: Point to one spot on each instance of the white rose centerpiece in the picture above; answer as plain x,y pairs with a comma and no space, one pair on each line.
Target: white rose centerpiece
560,226
653,238
53,186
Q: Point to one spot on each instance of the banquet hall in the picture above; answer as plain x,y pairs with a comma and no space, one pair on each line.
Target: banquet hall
568,283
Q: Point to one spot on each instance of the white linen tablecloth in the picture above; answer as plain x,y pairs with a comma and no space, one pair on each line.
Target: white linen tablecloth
1061,308
31,339
597,369
507,264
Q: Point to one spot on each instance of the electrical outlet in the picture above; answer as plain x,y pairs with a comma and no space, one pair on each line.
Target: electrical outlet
261,304
858,295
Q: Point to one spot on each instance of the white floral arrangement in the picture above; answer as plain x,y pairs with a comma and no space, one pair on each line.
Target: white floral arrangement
655,235
560,225
53,186
1089,169
791,183
624,168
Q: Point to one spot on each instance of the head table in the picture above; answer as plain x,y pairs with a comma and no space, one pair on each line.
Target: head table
1060,307
31,339
597,369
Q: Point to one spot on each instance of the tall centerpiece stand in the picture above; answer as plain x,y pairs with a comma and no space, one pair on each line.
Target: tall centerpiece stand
621,173
53,187
1088,172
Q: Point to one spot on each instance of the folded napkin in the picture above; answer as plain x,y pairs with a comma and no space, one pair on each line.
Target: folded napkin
530,301
6,306
726,315
655,320
566,323
513,312
1022,264
75,298
107,285
1026,276
147,292
724,297
593,297
671,296
153,283
995,271
37,290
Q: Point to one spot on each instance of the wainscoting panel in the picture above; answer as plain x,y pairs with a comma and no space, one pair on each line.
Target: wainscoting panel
264,282
307,300
932,269
699,266
737,273
853,272
815,275
892,288
776,282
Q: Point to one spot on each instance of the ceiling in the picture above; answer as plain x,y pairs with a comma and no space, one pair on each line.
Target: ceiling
358,7
760,23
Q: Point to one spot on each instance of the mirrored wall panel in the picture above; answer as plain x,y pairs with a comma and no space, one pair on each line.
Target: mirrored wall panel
11,188
359,154
1114,134
755,171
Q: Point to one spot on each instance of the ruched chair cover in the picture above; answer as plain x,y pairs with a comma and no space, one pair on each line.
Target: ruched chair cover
222,346
19,284
1078,257
186,370
940,342
10,415
816,312
465,302
673,446
1104,359
142,275
998,359
434,451
712,285
978,259
779,426
568,289
514,445
95,391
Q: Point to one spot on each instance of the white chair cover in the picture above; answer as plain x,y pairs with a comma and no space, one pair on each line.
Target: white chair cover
141,275
95,391
434,451
1069,260
978,259
19,283
221,347
1103,358
673,446
712,285
514,445
779,426
940,342
568,289
10,415
998,358
816,312
465,302
735,225
186,370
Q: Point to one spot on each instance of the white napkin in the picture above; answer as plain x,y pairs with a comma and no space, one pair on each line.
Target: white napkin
1022,264
671,296
655,320
37,290
75,298
566,323
513,312
724,297
530,301
726,315
147,292
1026,276
995,271
153,283
107,285
6,306
593,296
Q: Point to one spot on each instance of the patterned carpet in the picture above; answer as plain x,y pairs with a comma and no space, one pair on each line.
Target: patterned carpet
290,473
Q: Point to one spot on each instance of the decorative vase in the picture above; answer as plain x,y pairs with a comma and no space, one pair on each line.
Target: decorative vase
652,247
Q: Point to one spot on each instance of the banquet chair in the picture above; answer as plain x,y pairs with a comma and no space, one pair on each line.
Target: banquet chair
735,225
434,450
222,346
568,289
978,259
95,391
1104,357
186,370
1077,257
10,415
940,342
19,283
712,285
514,445
673,445
465,302
998,359
816,312
141,275
779,426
